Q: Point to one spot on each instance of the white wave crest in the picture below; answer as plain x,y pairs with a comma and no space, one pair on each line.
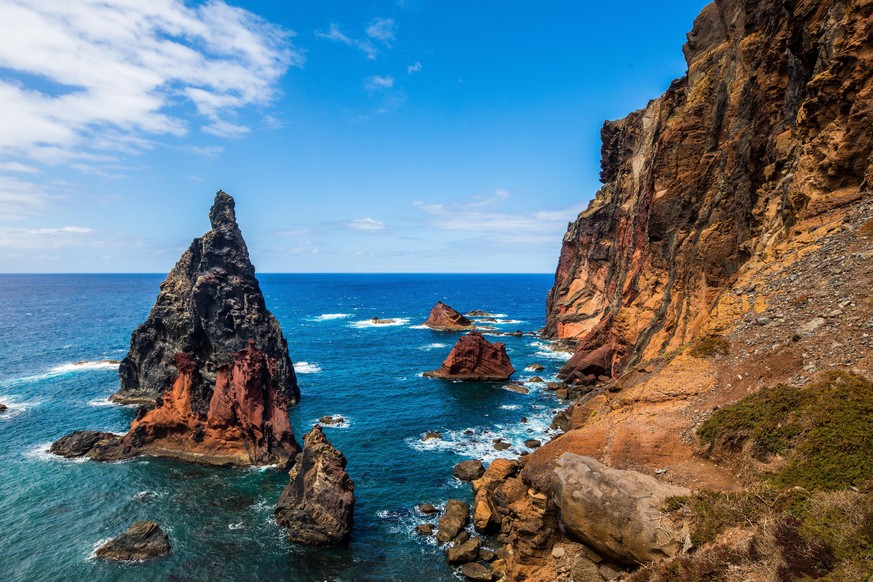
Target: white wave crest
41,452
330,316
381,322
434,346
545,350
346,421
307,368
63,369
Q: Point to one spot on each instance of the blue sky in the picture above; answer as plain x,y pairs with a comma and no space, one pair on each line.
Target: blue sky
383,136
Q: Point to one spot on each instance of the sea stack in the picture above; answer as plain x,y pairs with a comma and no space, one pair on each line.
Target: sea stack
317,506
211,359
444,318
476,359
210,306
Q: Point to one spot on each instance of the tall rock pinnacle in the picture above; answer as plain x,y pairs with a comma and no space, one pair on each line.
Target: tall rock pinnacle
210,305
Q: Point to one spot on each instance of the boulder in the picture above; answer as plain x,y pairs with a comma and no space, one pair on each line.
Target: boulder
3,408
587,362
465,552
617,513
317,506
476,571
486,519
431,435
516,388
80,443
444,318
141,541
469,470
479,313
476,359
455,519
425,529
532,443
331,420
536,368
427,508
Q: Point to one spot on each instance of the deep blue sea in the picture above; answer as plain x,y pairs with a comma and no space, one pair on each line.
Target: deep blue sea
54,512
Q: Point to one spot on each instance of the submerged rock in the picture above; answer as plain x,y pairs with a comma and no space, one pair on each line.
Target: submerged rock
444,318
210,305
141,541
212,359
3,408
617,513
476,359
317,506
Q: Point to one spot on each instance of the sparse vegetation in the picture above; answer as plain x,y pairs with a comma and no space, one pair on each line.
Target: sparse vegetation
824,430
711,345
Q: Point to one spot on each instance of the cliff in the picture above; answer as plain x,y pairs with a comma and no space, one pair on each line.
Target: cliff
771,125
210,305
725,264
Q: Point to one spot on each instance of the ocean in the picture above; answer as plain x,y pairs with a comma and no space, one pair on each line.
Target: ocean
57,331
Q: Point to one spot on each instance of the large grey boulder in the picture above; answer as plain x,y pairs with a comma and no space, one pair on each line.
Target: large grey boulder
617,513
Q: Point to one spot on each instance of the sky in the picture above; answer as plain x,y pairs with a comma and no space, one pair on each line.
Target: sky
367,136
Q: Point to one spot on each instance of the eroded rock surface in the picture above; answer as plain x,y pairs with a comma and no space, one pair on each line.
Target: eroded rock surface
444,318
474,358
317,506
210,305
141,541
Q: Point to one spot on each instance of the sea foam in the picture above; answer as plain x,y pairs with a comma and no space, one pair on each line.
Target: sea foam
307,368
392,322
330,316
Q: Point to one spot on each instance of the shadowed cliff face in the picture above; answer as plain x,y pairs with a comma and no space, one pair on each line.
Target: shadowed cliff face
772,124
210,306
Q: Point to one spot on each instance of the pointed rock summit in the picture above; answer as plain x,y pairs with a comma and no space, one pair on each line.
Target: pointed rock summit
317,506
210,306
444,318
476,359
212,361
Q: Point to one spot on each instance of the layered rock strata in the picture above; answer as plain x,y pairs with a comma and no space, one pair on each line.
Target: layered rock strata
210,306
317,506
444,318
475,359
772,124
232,382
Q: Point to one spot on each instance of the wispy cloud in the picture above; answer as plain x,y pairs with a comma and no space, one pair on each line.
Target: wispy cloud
366,225
113,72
377,82
483,217
45,238
379,30
414,68
20,198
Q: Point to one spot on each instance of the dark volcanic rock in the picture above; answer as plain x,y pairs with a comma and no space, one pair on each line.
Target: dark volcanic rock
141,541
210,306
444,318
80,443
469,470
317,506
476,359
3,408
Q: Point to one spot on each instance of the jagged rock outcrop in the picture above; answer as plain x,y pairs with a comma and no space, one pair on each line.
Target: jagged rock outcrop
476,359
3,408
141,541
618,513
317,506
226,400
772,124
444,318
210,306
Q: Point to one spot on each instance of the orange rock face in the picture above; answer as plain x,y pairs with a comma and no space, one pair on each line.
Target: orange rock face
444,318
772,124
247,422
476,359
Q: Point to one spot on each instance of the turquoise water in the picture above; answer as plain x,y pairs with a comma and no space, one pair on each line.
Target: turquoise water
54,512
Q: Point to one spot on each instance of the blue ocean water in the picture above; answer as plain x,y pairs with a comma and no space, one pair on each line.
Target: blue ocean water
54,512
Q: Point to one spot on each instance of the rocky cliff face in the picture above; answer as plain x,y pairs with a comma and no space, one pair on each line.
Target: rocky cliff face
210,306
772,125
317,506
476,359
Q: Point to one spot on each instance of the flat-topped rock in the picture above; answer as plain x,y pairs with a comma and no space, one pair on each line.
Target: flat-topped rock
476,359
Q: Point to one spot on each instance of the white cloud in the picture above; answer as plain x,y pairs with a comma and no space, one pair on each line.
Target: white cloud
381,29
19,198
18,167
366,225
378,82
414,68
45,238
118,71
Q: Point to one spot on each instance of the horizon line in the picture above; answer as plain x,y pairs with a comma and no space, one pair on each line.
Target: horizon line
5,274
